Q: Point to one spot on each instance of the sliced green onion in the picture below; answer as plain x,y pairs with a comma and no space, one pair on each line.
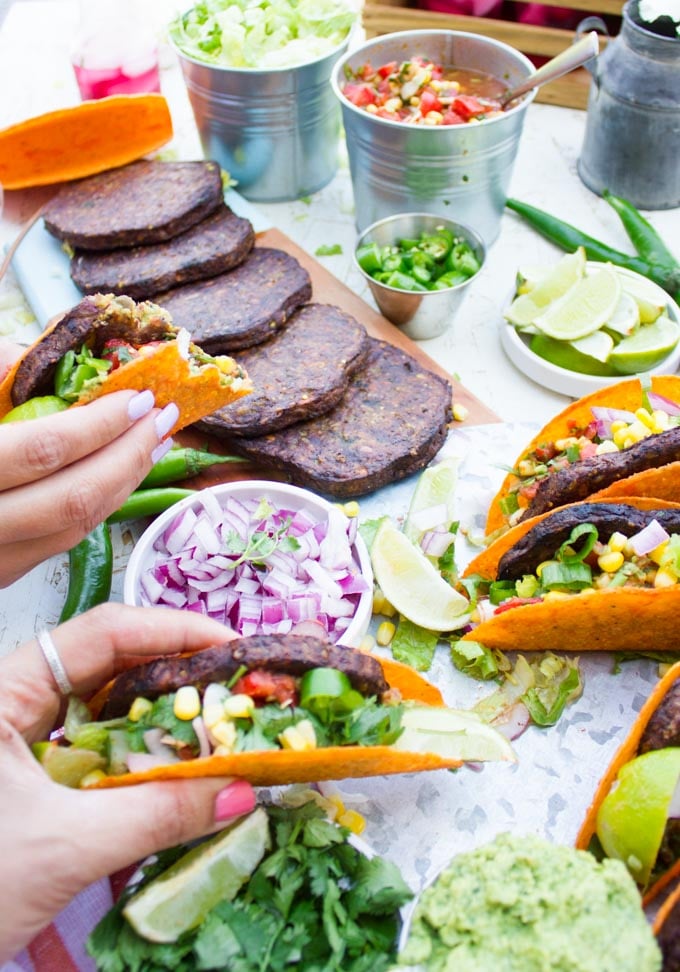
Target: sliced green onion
566,576
499,591
569,553
326,689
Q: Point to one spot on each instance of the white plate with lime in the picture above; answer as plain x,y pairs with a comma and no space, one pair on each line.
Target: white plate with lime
579,325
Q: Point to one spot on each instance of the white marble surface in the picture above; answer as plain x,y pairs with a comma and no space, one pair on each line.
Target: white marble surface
419,821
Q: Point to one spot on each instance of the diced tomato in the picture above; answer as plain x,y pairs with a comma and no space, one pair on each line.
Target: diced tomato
451,118
429,102
588,450
384,90
590,430
264,687
545,451
529,491
118,352
360,94
386,69
467,106
514,602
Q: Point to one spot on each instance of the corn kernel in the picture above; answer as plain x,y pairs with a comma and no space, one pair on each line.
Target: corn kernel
604,447
617,542
460,412
372,109
658,552
222,751
642,415
351,509
187,704
139,709
225,734
563,444
617,425
300,737
393,104
620,436
610,562
385,633
367,643
212,714
661,420
353,821
238,706
638,431
378,602
475,617
525,467
664,578
94,776
555,596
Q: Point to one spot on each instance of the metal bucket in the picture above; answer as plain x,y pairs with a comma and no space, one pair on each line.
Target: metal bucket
276,131
459,171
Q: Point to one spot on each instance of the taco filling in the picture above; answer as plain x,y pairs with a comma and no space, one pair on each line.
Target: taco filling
584,548
616,443
256,694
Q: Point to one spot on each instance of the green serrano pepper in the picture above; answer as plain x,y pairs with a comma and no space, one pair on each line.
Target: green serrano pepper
642,234
180,463
569,238
90,565
148,502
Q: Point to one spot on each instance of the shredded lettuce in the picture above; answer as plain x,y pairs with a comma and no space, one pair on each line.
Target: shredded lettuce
546,685
262,33
476,660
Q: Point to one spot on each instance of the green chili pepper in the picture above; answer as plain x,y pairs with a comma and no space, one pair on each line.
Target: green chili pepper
75,370
90,565
149,502
180,463
642,234
569,238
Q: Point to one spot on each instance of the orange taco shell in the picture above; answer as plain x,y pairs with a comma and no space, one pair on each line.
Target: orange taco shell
280,767
623,619
662,483
166,370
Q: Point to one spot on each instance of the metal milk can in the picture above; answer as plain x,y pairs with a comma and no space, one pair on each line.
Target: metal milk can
632,139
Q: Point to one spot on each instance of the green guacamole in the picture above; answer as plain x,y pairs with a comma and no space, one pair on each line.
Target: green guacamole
521,904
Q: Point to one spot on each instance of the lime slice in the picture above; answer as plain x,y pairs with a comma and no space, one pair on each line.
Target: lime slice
435,488
647,297
212,872
643,350
568,354
451,734
36,408
524,309
412,585
597,345
626,317
584,308
632,818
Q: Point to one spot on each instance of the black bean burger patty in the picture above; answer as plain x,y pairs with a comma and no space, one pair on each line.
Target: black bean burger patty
218,243
302,372
96,319
287,654
663,729
581,479
392,420
144,202
546,537
244,307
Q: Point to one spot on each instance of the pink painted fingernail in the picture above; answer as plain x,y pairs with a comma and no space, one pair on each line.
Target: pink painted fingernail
140,405
234,800
166,419
160,450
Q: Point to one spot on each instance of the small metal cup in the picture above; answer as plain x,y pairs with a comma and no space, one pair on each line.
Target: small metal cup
418,315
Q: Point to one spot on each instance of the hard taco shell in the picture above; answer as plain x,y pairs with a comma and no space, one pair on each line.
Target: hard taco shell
663,483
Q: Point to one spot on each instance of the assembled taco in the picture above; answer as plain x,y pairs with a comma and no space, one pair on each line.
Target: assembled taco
107,343
272,710
618,441
590,576
635,814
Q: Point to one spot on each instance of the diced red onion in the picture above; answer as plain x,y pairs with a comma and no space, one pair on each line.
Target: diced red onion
663,404
514,721
313,629
605,416
648,538
435,543
141,762
485,609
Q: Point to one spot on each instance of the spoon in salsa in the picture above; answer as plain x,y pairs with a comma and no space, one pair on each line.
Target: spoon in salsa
574,57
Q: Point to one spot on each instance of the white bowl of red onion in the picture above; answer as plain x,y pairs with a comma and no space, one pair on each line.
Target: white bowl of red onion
261,557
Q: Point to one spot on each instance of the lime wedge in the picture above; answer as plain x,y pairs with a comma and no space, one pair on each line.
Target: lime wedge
647,297
626,317
568,354
632,817
436,487
584,308
412,585
35,408
451,734
643,350
597,345
524,309
212,872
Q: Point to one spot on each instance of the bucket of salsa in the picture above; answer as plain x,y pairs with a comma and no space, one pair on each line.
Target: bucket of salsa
425,128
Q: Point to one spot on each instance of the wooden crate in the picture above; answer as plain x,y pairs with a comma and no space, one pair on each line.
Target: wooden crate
387,16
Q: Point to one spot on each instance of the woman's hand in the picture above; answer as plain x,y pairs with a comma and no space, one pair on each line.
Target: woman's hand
54,841
62,474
